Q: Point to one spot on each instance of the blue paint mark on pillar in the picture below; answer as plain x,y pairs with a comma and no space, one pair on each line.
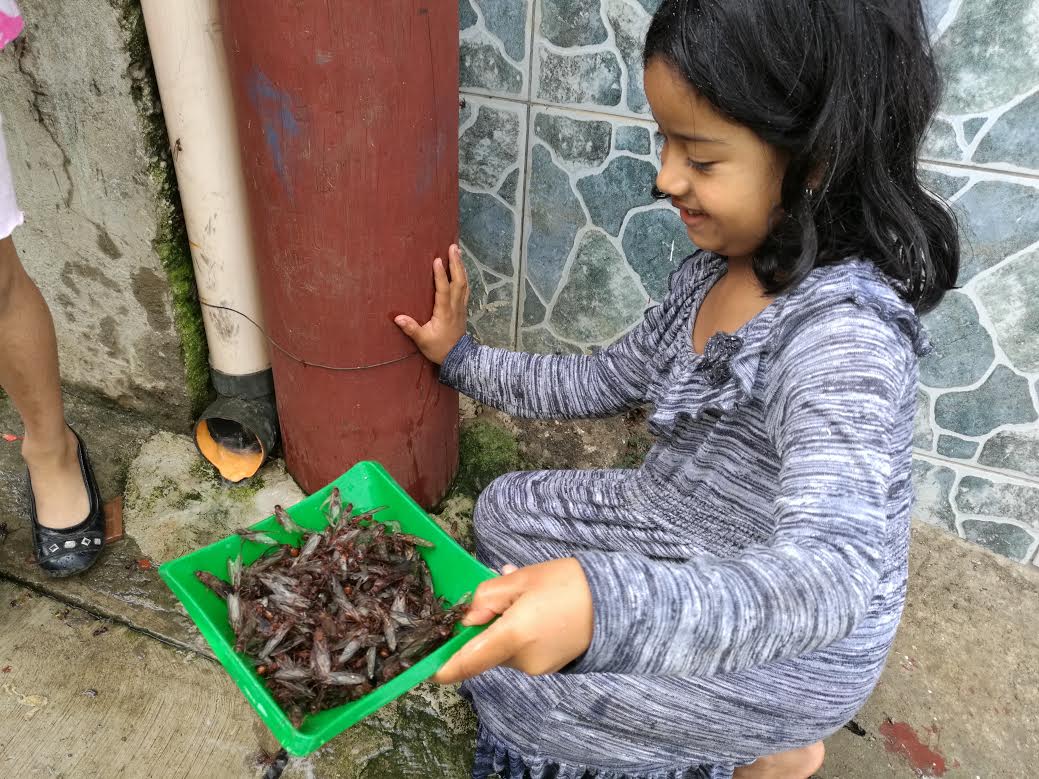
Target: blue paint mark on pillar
279,123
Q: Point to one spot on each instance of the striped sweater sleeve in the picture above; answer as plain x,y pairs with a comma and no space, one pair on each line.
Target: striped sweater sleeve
835,387
560,386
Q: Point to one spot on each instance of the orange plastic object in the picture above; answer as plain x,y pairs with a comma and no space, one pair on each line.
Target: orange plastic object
348,119
234,465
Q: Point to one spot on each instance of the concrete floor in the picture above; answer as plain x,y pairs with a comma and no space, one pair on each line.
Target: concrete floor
102,675
82,697
960,694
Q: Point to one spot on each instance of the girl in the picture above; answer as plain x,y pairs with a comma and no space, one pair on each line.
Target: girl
65,510
729,604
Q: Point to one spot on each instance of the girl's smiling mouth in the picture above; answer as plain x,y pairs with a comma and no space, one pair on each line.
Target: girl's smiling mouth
692,217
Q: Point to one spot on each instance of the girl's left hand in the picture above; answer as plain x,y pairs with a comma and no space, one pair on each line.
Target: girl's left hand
445,328
546,621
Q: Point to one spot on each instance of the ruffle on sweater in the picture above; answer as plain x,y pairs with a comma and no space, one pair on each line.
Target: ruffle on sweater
728,374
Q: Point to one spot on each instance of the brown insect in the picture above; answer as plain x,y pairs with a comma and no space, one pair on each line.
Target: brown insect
328,621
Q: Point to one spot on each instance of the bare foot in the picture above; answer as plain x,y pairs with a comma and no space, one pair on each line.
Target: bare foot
57,482
792,764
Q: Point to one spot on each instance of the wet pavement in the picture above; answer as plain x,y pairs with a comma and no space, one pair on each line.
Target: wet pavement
80,697
103,674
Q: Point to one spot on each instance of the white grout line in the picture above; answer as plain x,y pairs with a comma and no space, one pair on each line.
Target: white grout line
959,466
479,33
991,117
988,170
946,21
984,273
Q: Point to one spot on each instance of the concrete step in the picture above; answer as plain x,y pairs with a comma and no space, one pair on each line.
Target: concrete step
82,697
959,697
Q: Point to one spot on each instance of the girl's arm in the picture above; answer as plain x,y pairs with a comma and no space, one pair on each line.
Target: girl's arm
840,384
533,385
554,386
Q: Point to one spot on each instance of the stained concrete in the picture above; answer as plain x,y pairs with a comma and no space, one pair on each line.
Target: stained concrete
960,694
427,733
176,502
85,172
84,697
959,697
80,697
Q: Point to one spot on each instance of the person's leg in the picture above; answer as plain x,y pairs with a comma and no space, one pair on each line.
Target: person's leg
29,375
740,720
531,516
792,764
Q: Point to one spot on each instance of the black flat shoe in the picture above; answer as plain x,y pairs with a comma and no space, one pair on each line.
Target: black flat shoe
70,550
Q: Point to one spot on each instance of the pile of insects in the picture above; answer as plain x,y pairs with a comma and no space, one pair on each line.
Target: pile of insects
328,622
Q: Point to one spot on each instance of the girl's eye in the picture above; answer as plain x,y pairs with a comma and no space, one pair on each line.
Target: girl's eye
661,143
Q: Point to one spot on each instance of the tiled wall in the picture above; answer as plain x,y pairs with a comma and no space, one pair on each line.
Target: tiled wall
566,248
977,442
557,162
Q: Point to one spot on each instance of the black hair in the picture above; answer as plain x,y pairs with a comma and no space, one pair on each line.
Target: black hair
846,89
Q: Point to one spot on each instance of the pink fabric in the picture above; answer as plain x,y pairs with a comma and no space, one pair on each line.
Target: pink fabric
10,215
10,22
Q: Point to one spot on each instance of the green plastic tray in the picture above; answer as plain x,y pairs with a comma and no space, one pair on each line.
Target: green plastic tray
367,485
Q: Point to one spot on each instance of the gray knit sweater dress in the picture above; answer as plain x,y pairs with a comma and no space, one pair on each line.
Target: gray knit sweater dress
748,578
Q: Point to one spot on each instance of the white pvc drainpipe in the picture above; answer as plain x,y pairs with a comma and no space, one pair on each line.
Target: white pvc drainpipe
237,432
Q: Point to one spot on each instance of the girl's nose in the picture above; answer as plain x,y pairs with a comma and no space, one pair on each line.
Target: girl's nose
671,179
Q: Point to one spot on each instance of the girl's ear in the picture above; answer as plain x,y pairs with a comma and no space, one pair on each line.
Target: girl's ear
817,177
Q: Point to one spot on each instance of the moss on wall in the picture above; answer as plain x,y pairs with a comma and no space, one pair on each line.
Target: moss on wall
171,239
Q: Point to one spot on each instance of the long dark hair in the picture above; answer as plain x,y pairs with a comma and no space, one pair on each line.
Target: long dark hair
846,88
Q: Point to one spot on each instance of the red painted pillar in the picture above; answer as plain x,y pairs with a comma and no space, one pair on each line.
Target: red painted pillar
348,118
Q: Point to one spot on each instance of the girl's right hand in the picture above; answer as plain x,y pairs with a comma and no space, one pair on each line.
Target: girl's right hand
546,621
438,336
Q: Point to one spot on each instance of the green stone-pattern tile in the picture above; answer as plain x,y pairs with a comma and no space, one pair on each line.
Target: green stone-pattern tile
958,448
990,57
933,487
491,166
962,347
598,248
575,62
494,46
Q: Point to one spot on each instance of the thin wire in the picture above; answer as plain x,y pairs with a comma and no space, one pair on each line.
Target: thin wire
436,169
300,360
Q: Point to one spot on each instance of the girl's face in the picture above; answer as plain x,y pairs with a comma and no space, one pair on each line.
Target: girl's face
723,179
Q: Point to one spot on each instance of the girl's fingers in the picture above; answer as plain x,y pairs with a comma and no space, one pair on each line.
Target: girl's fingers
454,258
441,283
477,615
459,279
492,598
410,327
489,649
